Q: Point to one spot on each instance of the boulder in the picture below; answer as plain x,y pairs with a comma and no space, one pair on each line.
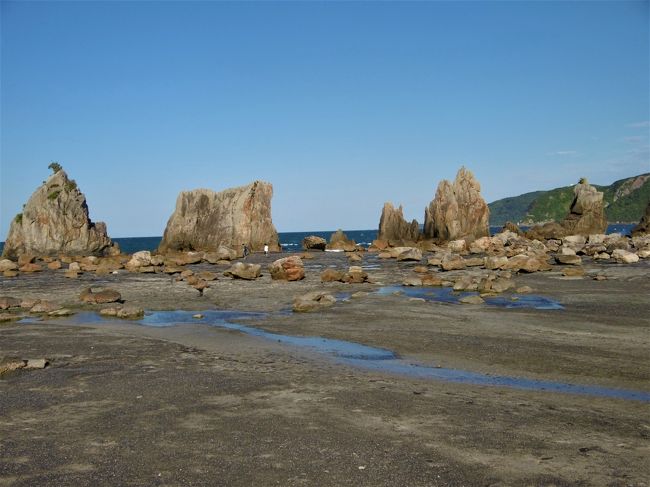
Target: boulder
45,307
549,230
526,263
8,265
431,280
354,257
312,242
568,259
340,241
393,226
222,253
587,213
205,220
313,301
130,313
239,270
495,262
10,273
472,299
332,275
624,257
30,268
452,263
412,281
55,221
100,297
55,265
458,246
412,254
139,259
355,275
643,227
287,269
458,210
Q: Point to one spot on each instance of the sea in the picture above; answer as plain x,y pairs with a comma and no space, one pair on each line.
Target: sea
292,241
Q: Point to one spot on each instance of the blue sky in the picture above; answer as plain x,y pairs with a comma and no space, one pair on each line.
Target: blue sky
341,106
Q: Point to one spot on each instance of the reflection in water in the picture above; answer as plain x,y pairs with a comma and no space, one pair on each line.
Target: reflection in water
363,356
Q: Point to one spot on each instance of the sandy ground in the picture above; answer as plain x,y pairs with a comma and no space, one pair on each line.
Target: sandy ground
125,404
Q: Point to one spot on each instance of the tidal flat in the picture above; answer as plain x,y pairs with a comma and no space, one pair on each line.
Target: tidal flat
123,403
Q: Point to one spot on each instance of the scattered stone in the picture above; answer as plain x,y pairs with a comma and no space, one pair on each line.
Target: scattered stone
412,254
354,257
359,294
452,263
568,259
417,300
10,273
420,269
71,274
100,297
473,299
198,316
45,307
239,270
130,313
600,277
8,265
355,275
624,257
287,269
10,365
30,268
312,242
332,275
412,281
431,280
222,253
524,290
207,276
5,317
577,271
36,363
495,262
313,301
61,312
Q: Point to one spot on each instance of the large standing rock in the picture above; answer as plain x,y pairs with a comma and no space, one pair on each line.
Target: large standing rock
587,213
458,210
205,220
393,226
340,241
644,225
55,222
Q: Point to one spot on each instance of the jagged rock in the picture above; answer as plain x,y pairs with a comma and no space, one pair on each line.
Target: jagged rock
55,221
411,254
332,275
587,214
393,226
644,225
313,301
239,270
204,220
8,265
312,242
7,302
340,241
458,210
100,297
287,269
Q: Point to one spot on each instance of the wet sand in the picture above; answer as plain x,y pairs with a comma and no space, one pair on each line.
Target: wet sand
195,405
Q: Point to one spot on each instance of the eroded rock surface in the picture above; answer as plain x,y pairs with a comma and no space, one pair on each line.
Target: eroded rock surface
587,214
55,221
394,228
458,210
205,220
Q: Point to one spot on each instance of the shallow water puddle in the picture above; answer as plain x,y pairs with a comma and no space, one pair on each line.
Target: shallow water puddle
363,356
448,295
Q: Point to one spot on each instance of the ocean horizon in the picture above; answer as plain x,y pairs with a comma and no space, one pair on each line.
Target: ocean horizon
292,241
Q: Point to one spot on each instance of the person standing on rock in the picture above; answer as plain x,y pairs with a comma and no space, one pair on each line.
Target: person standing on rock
266,249
245,250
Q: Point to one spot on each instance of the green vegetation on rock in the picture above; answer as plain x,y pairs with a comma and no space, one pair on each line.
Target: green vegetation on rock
625,201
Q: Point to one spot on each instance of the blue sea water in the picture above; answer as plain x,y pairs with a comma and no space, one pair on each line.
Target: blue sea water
292,241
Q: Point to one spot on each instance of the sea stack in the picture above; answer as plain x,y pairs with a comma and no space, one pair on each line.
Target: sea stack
394,228
55,222
458,210
205,220
644,225
586,214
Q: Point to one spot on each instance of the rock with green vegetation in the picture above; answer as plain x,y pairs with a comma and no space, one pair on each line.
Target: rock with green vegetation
624,200
55,221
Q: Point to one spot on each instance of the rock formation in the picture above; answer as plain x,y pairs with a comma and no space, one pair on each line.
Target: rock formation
340,241
205,220
644,225
55,221
393,226
458,210
586,215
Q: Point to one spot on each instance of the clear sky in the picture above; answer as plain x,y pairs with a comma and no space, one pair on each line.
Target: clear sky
341,106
